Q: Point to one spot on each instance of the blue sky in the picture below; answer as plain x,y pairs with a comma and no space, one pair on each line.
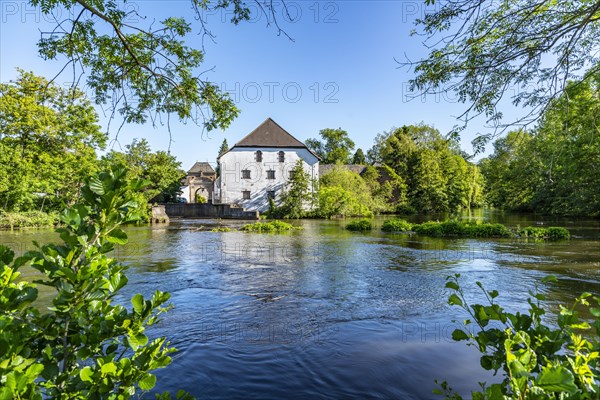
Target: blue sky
338,72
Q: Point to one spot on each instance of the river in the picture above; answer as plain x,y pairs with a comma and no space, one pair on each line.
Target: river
327,313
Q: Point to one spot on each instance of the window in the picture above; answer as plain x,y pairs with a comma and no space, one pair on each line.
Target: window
258,156
292,172
246,195
270,174
271,194
281,156
245,174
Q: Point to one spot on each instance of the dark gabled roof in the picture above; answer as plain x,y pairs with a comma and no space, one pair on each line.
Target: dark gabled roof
271,134
199,167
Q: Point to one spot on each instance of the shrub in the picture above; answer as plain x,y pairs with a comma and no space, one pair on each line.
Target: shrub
27,219
457,228
337,201
396,225
360,225
537,361
552,233
84,346
429,229
406,209
201,199
268,227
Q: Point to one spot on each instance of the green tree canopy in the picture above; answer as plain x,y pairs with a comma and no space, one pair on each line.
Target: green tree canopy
429,167
553,168
359,157
485,51
335,146
49,136
143,69
160,169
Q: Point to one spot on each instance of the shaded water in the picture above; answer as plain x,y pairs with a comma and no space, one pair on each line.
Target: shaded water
326,313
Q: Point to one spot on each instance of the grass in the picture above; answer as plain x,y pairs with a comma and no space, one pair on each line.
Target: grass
268,227
360,225
27,219
396,225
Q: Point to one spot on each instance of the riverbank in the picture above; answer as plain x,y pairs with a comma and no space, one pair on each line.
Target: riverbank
27,219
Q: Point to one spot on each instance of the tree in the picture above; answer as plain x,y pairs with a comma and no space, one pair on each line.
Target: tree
298,194
429,168
335,147
484,51
359,157
49,138
344,193
160,169
552,168
222,150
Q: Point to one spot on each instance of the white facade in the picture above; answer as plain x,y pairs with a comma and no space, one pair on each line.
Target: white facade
248,182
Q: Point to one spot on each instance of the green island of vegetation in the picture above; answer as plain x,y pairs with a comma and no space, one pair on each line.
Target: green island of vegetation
475,230
268,227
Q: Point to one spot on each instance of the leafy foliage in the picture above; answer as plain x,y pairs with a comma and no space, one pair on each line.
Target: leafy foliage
359,157
82,346
551,169
23,219
142,70
299,194
268,227
334,147
359,225
48,142
483,52
344,193
396,225
537,361
160,169
436,176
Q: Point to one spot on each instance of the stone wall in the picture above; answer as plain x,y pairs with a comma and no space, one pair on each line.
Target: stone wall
192,210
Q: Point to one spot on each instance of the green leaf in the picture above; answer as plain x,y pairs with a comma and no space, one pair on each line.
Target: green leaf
556,379
147,382
138,303
454,300
595,311
109,368
549,278
96,185
452,285
459,334
135,341
86,374
117,236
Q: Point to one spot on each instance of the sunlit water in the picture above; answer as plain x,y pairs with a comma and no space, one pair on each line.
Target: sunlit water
326,313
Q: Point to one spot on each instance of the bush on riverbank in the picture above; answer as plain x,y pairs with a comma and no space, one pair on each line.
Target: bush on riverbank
25,219
360,225
268,227
396,225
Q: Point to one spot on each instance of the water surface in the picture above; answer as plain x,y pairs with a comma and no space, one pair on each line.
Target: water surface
327,313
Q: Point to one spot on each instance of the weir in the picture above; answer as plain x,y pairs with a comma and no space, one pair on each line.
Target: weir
196,210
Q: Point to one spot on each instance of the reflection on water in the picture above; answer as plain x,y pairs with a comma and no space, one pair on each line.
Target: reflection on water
327,313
